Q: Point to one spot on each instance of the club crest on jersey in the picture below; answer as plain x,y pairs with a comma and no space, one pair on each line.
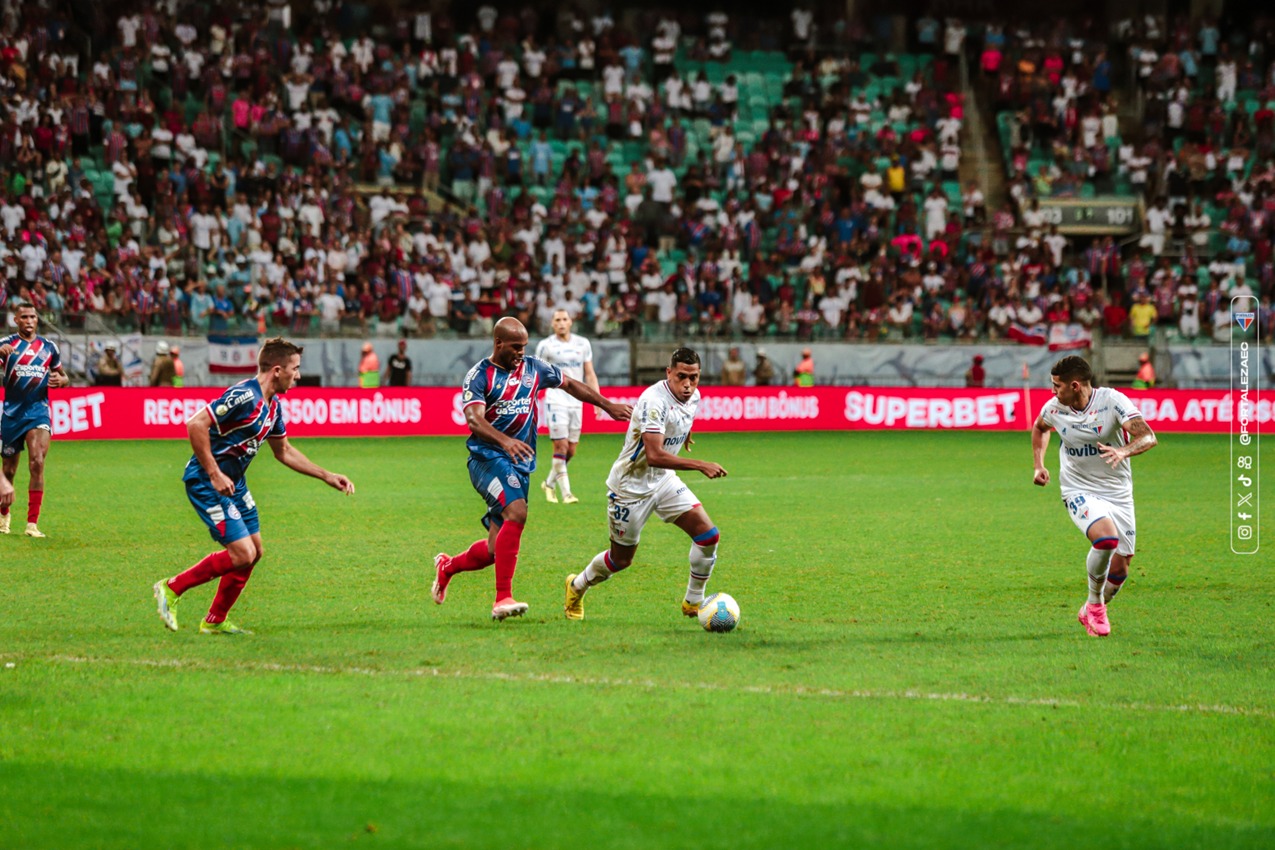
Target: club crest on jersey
1245,320
513,480
528,379
233,512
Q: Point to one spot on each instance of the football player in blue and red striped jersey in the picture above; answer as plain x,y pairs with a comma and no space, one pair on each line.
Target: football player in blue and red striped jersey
226,436
32,365
499,399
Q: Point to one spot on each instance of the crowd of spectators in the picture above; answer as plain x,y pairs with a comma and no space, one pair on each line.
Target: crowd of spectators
197,168
1201,155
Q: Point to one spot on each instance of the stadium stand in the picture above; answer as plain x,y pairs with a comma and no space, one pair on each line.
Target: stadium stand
189,169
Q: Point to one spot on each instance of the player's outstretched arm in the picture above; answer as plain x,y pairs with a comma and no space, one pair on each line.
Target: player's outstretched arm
586,393
291,457
1040,442
658,458
1141,439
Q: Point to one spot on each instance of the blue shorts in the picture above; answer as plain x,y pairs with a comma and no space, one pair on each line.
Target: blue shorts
14,430
229,518
499,483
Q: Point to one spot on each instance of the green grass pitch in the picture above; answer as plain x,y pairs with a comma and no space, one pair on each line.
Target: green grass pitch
908,672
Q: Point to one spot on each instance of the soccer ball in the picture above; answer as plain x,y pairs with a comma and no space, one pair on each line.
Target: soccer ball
719,613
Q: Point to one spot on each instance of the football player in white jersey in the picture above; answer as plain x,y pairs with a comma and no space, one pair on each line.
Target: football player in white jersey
644,480
1100,429
574,356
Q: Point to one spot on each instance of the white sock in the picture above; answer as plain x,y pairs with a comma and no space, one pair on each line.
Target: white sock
559,474
555,470
1096,563
702,559
596,573
1110,589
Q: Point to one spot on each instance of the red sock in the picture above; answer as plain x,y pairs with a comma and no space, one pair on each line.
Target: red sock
4,510
36,497
228,590
508,540
476,557
216,564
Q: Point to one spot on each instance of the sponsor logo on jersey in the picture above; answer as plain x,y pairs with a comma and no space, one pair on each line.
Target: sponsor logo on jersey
670,442
513,407
28,371
1083,451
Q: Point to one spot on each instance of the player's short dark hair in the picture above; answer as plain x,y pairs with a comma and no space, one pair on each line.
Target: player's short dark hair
276,352
1073,368
684,355
25,306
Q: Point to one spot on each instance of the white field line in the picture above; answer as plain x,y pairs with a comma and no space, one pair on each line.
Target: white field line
644,684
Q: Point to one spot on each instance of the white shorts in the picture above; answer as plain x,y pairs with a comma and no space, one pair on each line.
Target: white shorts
1085,509
626,515
564,421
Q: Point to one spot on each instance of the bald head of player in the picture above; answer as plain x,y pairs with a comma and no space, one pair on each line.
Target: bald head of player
509,343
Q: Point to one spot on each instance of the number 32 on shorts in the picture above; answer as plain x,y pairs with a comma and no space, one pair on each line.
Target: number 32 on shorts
619,516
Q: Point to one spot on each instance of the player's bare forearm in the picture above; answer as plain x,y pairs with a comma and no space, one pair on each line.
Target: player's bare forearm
476,418
1141,437
658,458
586,393
292,457
200,442
1040,442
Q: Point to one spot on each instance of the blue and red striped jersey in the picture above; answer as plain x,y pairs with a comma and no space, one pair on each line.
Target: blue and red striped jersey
511,403
242,421
26,375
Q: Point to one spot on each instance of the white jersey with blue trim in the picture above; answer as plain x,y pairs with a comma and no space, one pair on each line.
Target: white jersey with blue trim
657,412
569,356
1082,468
